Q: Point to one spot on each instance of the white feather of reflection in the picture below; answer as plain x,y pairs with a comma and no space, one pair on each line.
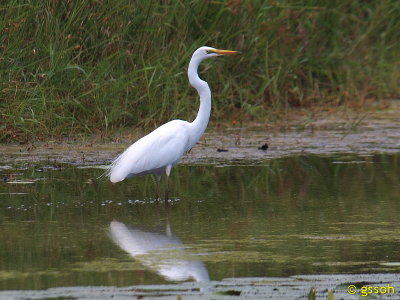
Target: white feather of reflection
159,252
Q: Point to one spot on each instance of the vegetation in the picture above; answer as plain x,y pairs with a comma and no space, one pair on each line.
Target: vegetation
69,67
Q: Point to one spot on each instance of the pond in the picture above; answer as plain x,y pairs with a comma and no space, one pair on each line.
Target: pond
63,226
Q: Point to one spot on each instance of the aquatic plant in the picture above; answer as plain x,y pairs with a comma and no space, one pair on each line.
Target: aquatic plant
71,67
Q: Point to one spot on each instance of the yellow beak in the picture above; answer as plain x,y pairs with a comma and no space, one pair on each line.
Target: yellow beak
224,52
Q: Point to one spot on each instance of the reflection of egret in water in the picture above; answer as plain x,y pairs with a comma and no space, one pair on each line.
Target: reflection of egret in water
160,252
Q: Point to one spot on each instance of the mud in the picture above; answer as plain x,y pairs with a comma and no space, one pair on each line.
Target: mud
321,133
327,133
294,287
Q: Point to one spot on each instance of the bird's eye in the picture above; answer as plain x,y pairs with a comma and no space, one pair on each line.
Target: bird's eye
208,52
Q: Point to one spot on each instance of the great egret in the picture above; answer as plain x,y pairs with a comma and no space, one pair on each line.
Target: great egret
161,252
162,149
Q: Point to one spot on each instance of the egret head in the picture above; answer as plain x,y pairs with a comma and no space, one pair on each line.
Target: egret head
208,52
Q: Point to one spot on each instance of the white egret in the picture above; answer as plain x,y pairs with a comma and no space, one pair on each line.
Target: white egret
161,252
162,149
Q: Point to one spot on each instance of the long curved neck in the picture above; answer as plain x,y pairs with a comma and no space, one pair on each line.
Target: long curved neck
199,125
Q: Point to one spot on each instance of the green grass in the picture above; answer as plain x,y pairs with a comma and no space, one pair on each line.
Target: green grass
83,67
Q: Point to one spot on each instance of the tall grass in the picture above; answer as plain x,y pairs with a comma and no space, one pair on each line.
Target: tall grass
69,67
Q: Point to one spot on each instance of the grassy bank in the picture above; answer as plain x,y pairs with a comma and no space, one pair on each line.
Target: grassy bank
69,67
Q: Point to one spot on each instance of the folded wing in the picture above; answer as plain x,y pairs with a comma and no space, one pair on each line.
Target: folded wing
153,152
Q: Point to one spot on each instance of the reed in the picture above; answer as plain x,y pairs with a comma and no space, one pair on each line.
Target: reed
84,67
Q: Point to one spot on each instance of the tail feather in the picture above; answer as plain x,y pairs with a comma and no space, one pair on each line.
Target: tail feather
114,173
121,167
106,173
109,170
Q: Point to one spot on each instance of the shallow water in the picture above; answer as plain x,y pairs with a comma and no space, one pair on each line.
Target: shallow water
62,226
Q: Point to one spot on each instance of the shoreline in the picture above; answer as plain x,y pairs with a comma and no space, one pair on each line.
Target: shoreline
322,133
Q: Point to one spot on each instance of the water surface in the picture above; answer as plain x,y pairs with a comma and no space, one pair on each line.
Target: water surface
270,218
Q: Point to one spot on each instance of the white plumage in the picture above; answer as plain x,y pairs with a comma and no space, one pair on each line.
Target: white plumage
163,253
166,144
162,149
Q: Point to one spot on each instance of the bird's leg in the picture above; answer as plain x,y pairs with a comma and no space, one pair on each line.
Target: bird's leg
166,189
167,171
166,194
167,213
158,178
